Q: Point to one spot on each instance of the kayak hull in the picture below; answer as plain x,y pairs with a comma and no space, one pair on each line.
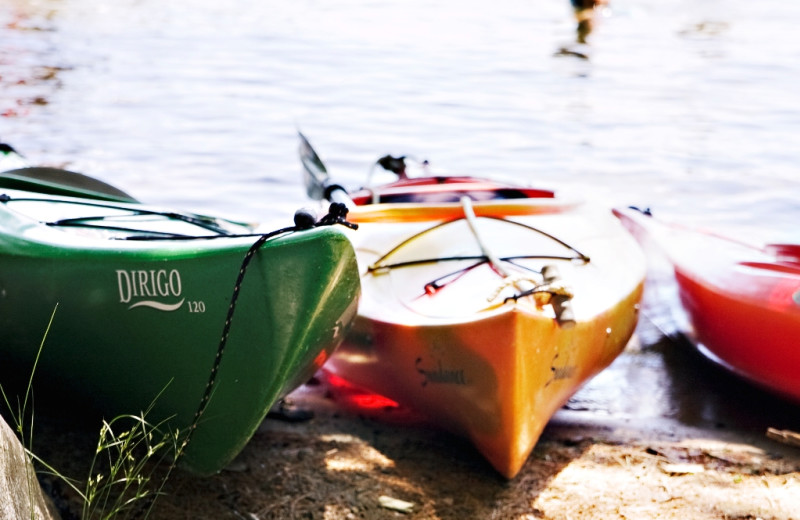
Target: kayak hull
139,323
496,381
470,356
742,302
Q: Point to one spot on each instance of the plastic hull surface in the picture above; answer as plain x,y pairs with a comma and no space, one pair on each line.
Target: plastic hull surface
138,317
743,302
458,339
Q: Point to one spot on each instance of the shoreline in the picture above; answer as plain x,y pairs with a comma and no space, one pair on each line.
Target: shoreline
379,462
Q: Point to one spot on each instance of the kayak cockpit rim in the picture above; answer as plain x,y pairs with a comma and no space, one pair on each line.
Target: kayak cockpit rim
543,285
210,226
377,265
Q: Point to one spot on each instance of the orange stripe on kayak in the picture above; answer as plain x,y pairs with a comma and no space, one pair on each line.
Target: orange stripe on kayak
410,212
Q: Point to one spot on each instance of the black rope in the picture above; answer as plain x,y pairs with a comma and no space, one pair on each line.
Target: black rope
483,258
208,223
229,319
581,256
434,285
158,235
337,214
153,235
303,221
202,222
376,266
536,290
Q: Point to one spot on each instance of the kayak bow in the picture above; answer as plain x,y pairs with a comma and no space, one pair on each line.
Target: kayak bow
209,320
485,306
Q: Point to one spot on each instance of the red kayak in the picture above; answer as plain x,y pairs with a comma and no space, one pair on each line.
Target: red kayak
743,302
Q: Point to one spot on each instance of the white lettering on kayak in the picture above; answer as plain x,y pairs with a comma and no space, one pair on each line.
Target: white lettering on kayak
139,286
157,305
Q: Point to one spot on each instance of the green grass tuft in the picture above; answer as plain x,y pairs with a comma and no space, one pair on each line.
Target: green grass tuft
122,480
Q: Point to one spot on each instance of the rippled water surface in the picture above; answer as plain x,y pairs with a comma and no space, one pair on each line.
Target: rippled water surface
688,107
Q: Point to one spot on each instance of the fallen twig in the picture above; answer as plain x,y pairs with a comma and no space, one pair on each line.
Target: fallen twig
784,436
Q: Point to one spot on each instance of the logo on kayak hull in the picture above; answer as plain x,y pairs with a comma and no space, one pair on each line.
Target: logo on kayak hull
440,374
158,289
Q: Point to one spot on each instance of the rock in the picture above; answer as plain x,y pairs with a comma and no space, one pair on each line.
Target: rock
20,493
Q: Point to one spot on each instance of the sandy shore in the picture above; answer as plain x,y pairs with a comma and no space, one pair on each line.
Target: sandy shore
378,462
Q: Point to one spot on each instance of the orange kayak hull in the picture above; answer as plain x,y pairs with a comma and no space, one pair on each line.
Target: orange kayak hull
496,381
490,368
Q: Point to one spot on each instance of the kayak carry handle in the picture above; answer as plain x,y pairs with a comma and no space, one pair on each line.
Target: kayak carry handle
561,303
784,252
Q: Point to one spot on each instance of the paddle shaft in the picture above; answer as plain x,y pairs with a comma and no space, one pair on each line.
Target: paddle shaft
469,213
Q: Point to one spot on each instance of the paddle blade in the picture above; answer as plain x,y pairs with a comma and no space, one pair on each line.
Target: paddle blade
55,181
10,159
315,175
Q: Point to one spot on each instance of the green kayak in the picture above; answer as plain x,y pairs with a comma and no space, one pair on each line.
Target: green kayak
209,320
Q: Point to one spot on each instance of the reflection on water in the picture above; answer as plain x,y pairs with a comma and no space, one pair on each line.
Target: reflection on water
662,376
586,13
28,74
670,380
685,107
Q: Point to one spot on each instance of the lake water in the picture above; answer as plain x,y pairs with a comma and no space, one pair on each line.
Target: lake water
689,107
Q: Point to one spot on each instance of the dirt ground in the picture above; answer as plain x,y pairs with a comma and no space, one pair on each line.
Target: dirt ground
384,462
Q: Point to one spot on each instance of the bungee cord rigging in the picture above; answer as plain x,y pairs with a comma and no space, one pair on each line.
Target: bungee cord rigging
544,286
